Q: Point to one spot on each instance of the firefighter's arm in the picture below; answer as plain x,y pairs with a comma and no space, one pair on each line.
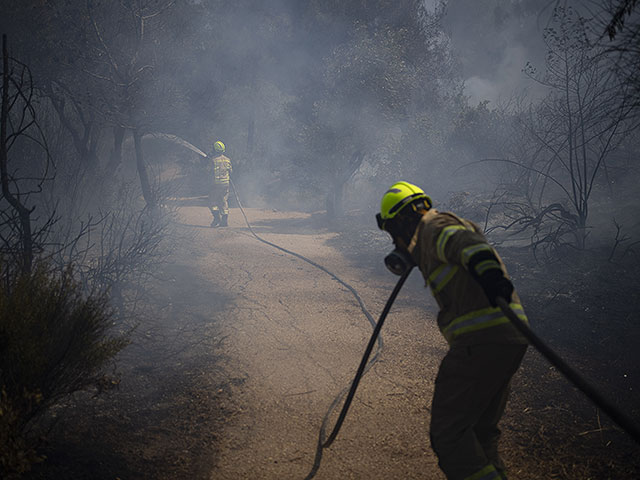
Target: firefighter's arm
485,268
461,243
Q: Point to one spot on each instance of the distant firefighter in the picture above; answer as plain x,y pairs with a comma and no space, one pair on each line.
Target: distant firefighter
219,193
466,276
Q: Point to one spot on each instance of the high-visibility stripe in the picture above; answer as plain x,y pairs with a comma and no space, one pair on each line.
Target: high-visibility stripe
441,276
471,250
443,238
220,171
487,473
485,265
479,320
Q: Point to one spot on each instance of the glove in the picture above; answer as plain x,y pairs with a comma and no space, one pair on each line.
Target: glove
495,285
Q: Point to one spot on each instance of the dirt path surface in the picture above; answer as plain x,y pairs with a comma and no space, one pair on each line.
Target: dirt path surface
244,348
295,336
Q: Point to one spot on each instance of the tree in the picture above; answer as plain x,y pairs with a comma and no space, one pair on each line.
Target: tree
85,214
19,129
59,60
367,87
620,12
571,135
123,58
54,339
622,43
377,83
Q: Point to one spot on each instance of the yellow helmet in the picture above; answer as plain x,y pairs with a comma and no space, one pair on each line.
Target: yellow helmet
398,196
219,147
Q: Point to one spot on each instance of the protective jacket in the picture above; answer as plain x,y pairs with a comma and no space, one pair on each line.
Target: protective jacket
442,247
221,170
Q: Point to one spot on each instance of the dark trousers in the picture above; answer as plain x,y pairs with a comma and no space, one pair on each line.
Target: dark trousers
469,399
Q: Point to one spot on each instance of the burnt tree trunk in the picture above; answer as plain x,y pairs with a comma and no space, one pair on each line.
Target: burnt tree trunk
85,136
116,154
341,176
24,213
147,192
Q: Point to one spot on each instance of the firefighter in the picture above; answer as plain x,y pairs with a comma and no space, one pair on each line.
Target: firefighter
465,275
219,193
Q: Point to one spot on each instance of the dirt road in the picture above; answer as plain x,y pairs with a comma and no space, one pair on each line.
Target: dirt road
244,348
295,336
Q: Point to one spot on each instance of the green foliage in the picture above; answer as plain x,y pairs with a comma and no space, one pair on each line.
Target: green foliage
53,341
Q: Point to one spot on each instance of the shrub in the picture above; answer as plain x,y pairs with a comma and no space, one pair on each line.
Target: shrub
54,341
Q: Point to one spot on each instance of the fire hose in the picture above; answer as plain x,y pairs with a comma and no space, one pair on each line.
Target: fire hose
622,420
618,417
365,364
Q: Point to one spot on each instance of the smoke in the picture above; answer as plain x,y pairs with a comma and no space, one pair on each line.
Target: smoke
176,139
278,84
493,42
505,80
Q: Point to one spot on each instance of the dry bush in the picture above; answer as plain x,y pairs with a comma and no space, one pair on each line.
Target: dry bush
53,341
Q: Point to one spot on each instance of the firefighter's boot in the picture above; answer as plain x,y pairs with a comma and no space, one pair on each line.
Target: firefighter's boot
223,220
216,218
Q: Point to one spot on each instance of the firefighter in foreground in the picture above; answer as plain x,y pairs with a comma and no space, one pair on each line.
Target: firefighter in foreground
466,276
219,193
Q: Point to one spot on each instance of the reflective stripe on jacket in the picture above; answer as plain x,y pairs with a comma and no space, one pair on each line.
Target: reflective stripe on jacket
441,247
221,169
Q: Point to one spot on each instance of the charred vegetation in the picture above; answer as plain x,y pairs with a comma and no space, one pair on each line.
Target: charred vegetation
521,116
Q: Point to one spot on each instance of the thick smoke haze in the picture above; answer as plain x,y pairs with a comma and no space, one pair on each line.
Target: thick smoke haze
519,115
321,104
494,43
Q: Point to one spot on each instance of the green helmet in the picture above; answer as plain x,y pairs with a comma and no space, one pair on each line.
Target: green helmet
398,196
219,147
